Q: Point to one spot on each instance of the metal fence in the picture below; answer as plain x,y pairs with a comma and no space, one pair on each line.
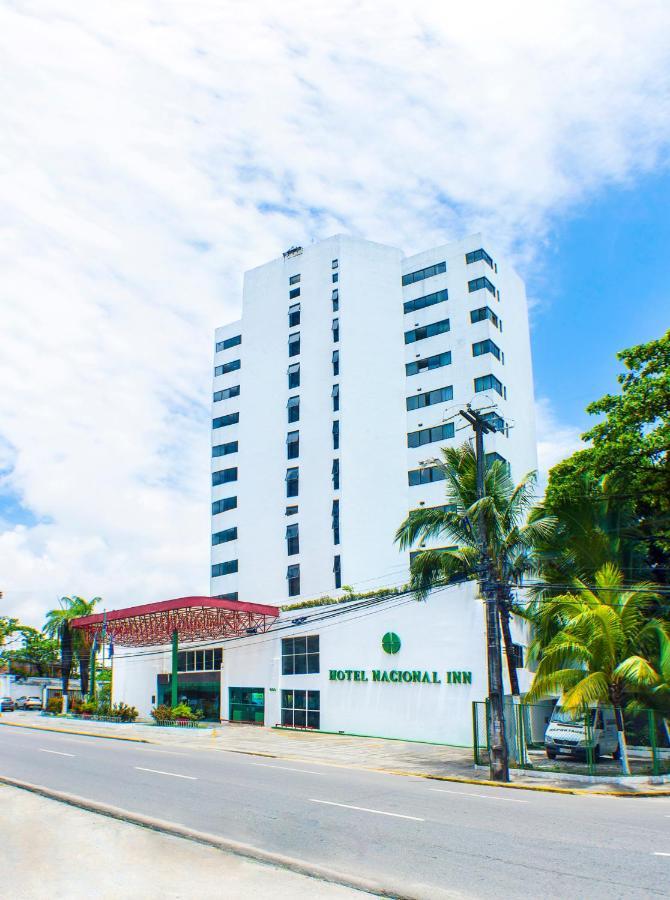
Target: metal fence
585,745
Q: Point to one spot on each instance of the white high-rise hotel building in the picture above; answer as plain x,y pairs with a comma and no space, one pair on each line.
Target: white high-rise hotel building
345,373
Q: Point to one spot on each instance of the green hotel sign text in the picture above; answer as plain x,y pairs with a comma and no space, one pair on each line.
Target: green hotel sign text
400,676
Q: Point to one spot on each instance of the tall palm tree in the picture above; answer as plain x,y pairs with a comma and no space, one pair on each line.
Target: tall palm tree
74,642
599,648
511,538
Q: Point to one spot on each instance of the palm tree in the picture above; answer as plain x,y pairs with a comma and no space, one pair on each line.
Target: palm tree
598,651
511,538
74,642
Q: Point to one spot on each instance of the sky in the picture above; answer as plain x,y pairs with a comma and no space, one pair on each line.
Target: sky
152,151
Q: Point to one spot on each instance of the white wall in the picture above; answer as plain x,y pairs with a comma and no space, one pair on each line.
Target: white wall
134,675
444,633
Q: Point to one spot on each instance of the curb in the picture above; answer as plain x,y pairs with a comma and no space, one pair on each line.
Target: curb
109,737
515,786
237,848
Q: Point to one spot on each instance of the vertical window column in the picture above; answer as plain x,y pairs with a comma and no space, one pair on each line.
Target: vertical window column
293,579
336,521
337,570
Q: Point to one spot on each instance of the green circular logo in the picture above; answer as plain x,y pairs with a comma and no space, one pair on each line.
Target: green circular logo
391,642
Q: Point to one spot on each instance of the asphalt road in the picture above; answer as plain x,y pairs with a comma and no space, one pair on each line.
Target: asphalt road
417,837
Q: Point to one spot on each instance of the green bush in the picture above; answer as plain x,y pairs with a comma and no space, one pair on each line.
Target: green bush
162,713
123,712
55,705
182,711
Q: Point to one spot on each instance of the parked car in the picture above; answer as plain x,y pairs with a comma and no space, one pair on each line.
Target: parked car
6,704
28,703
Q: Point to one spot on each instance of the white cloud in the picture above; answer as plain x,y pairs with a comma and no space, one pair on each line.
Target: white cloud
153,151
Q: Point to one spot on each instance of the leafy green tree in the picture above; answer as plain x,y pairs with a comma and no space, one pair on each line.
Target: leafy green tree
9,627
630,448
38,651
74,642
511,537
598,651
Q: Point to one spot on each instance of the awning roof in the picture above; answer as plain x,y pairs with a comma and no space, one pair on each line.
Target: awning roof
194,619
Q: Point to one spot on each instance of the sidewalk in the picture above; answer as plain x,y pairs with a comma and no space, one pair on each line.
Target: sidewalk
380,754
80,854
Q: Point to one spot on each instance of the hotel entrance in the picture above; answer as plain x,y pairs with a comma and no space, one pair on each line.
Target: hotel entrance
246,705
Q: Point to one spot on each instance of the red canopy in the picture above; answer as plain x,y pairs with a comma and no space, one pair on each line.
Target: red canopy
193,618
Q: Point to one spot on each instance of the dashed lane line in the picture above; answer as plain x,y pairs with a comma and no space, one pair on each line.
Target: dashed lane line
55,752
377,812
286,769
479,796
160,772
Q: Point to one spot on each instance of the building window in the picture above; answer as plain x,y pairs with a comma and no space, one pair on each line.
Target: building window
300,709
336,330
336,474
228,343
496,422
335,394
430,362
292,540
291,510
421,274
294,293
427,300
336,362
231,366
200,660
294,315
488,383
227,393
293,407
222,537
294,279
294,375
425,475
225,568
224,505
487,346
300,655
294,344
336,277
224,476
490,458
430,398
478,283
223,421
426,331
224,449
337,570
336,299
336,434
475,255
334,264
293,445
293,579
292,482
430,435
336,521
483,313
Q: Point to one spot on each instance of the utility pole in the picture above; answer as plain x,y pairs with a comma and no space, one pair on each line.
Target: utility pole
498,757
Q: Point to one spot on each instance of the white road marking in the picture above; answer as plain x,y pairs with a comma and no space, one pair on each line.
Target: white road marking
661,854
378,812
286,769
56,752
480,796
159,772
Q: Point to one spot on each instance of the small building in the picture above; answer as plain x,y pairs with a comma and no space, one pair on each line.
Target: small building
385,667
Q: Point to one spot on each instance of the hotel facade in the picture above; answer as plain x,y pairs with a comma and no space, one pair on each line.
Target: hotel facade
332,397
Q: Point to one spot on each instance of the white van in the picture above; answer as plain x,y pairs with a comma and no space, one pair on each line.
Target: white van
569,733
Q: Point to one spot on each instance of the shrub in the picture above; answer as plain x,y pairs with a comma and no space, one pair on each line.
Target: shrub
90,706
162,713
123,712
182,711
55,705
